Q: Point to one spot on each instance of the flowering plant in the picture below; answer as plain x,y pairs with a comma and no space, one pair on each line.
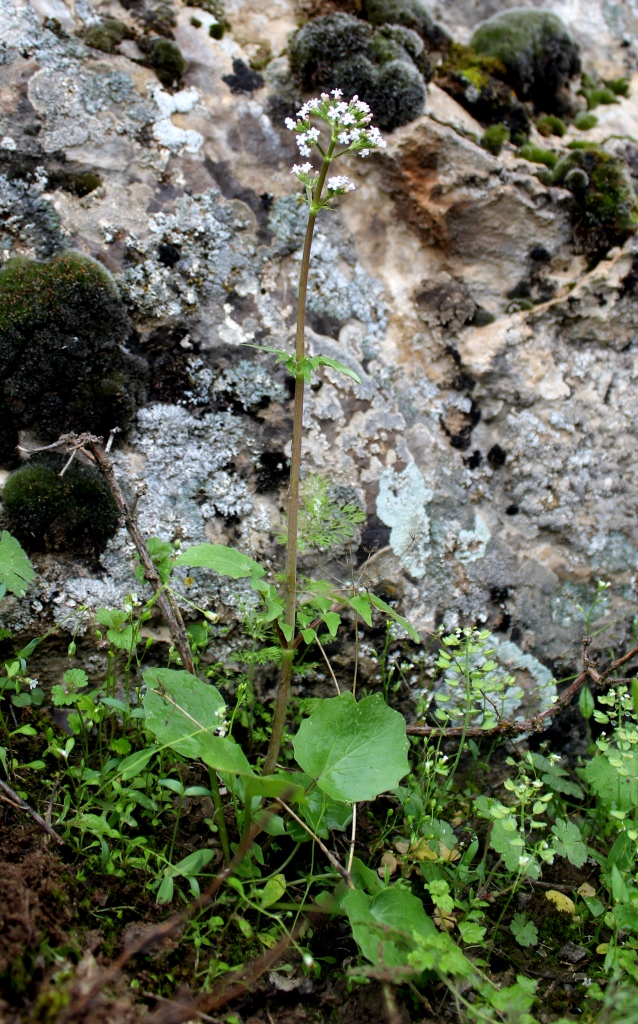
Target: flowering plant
349,131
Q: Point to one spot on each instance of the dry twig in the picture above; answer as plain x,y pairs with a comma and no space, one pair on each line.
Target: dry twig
20,805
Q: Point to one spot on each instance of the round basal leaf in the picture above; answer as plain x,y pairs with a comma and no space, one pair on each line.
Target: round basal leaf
353,751
184,713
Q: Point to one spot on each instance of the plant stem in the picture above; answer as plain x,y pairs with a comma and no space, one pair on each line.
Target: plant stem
290,584
219,816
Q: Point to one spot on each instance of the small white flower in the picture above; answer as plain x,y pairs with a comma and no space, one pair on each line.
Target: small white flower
344,139
348,118
290,124
313,133
523,861
33,683
299,169
340,183
337,93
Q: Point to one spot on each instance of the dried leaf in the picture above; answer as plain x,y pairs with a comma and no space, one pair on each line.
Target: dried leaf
562,902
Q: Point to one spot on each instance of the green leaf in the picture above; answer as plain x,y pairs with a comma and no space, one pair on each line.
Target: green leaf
321,813
133,765
334,364
506,840
193,863
353,751
226,561
634,694
383,607
123,639
96,826
525,932
165,891
332,621
273,890
76,677
184,713
586,702
16,571
383,925
568,842
612,788
272,786
361,604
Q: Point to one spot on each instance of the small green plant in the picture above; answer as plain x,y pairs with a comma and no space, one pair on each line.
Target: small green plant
536,155
323,522
551,125
494,138
585,121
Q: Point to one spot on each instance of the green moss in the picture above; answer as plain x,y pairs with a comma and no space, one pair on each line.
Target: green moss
619,86
494,138
585,121
165,58
196,23
216,30
537,155
537,50
384,66
582,144
605,212
62,363
107,35
79,183
551,125
473,80
597,93
410,14
216,8
48,512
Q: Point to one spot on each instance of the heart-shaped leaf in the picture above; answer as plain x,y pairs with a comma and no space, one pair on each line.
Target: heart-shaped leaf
184,713
353,751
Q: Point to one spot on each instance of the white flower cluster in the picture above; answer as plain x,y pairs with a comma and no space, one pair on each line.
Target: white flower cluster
339,185
348,123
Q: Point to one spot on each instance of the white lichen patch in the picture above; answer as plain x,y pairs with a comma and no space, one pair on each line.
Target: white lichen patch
401,505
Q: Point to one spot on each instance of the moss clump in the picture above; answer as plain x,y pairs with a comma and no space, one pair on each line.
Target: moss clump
79,183
384,67
536,155
474,80
494,138
585,121
165,58
62,365
537,51
409,14
605,212
551,125
108,35
605,93
48,512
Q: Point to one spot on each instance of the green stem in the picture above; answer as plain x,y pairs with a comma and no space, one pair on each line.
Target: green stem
290,584
219,816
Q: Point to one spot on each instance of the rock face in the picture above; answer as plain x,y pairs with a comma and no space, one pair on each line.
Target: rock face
491,441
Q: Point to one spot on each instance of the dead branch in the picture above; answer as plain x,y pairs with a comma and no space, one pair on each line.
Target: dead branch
92,448
539,722
17,802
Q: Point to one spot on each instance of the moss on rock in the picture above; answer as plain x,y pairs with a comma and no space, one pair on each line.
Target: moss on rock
107,35
474,81
385,67
410,14
605,211
62,365
494,138
165,58
48,512
537,51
